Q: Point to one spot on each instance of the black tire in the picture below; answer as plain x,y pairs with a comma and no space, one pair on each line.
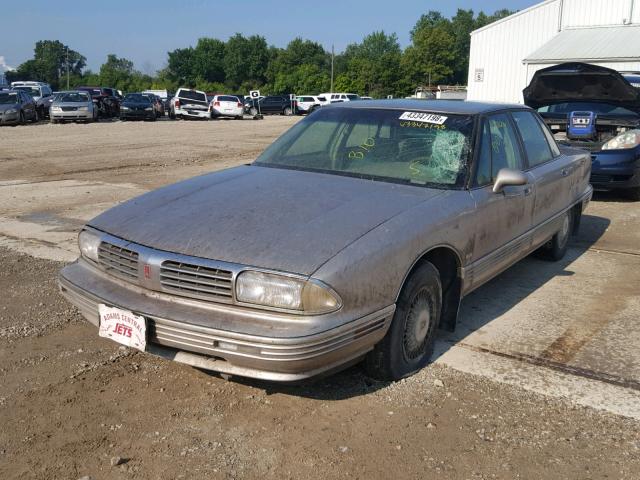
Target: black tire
21,120
239,117
556,248
253,111
54,121
36,116
633,194
408,345
288,111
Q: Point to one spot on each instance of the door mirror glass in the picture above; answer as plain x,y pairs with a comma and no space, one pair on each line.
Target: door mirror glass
508,177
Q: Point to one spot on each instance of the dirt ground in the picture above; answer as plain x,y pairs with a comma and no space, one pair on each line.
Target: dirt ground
73,405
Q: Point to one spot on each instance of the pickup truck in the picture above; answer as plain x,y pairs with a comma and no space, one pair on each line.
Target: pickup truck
188,103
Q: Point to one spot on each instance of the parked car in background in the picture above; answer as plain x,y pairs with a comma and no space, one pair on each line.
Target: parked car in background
226,106
287,285
73,106
189,103
308,103
594,108
136,106
272,105
158,105
164,95
106,100
366,98
17,107
340,97
40,92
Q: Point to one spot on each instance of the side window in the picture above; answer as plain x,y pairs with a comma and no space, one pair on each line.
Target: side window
499,137
550,138
535,143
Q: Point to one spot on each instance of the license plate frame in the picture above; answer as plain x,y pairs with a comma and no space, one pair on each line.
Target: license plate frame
123,326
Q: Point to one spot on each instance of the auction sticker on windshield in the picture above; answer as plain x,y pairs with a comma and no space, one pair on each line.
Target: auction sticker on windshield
123,327
423,117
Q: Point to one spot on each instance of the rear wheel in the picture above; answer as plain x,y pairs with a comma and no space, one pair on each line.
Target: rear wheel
21,121
239,117
408,344
287,111
253,111
556,248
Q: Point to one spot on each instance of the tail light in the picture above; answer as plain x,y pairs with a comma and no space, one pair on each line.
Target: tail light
240,104
177,104
216,104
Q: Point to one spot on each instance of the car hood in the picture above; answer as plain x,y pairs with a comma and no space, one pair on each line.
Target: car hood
580,82
272,218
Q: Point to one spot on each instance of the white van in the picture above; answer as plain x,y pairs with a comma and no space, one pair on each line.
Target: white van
339,97
37,90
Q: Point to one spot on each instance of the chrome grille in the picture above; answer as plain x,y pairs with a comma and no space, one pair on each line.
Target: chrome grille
196,281
118,260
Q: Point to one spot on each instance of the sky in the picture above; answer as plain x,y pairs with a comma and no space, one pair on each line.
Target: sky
145,30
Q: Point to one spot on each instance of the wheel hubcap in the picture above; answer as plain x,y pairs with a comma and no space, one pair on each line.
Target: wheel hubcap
417,326
564,231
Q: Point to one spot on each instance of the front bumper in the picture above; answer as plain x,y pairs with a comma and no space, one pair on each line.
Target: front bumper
615,169
72,115
9,119
137,115
180,331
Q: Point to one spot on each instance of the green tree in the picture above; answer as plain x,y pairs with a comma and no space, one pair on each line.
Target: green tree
431,57
246,61
207,62
49,64
371,67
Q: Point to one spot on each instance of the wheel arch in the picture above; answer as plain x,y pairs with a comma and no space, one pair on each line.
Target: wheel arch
448,262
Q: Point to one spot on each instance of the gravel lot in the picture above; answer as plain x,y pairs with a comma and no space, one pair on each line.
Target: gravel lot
75,405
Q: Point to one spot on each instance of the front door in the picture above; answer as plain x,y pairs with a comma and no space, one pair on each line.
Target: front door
503,220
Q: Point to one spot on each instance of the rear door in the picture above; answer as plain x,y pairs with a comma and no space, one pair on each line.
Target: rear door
554,174
503,220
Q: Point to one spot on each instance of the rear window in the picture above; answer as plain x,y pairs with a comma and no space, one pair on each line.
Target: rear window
33,91
227,98
192,95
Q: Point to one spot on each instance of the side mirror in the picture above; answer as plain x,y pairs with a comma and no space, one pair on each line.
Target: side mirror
507,177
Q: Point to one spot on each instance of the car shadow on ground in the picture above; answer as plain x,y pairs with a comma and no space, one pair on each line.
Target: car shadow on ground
612,197
477,310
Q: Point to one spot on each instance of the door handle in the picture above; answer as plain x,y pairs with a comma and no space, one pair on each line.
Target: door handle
527,191
565,172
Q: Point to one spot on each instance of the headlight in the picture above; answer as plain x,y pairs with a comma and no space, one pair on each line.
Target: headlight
625,140
83,109
124,108
56,109
149,109
290,293
89,243
11,110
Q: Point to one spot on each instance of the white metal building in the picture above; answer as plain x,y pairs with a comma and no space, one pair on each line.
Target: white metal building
505,54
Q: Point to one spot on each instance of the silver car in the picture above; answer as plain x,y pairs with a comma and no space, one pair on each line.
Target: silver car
354,236
73,106
16,107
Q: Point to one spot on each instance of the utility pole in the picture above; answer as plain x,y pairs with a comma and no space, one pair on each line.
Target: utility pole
332,55
67,68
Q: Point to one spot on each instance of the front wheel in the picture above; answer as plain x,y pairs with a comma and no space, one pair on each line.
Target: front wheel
408,344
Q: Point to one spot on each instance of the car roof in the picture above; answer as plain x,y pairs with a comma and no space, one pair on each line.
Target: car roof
439,106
